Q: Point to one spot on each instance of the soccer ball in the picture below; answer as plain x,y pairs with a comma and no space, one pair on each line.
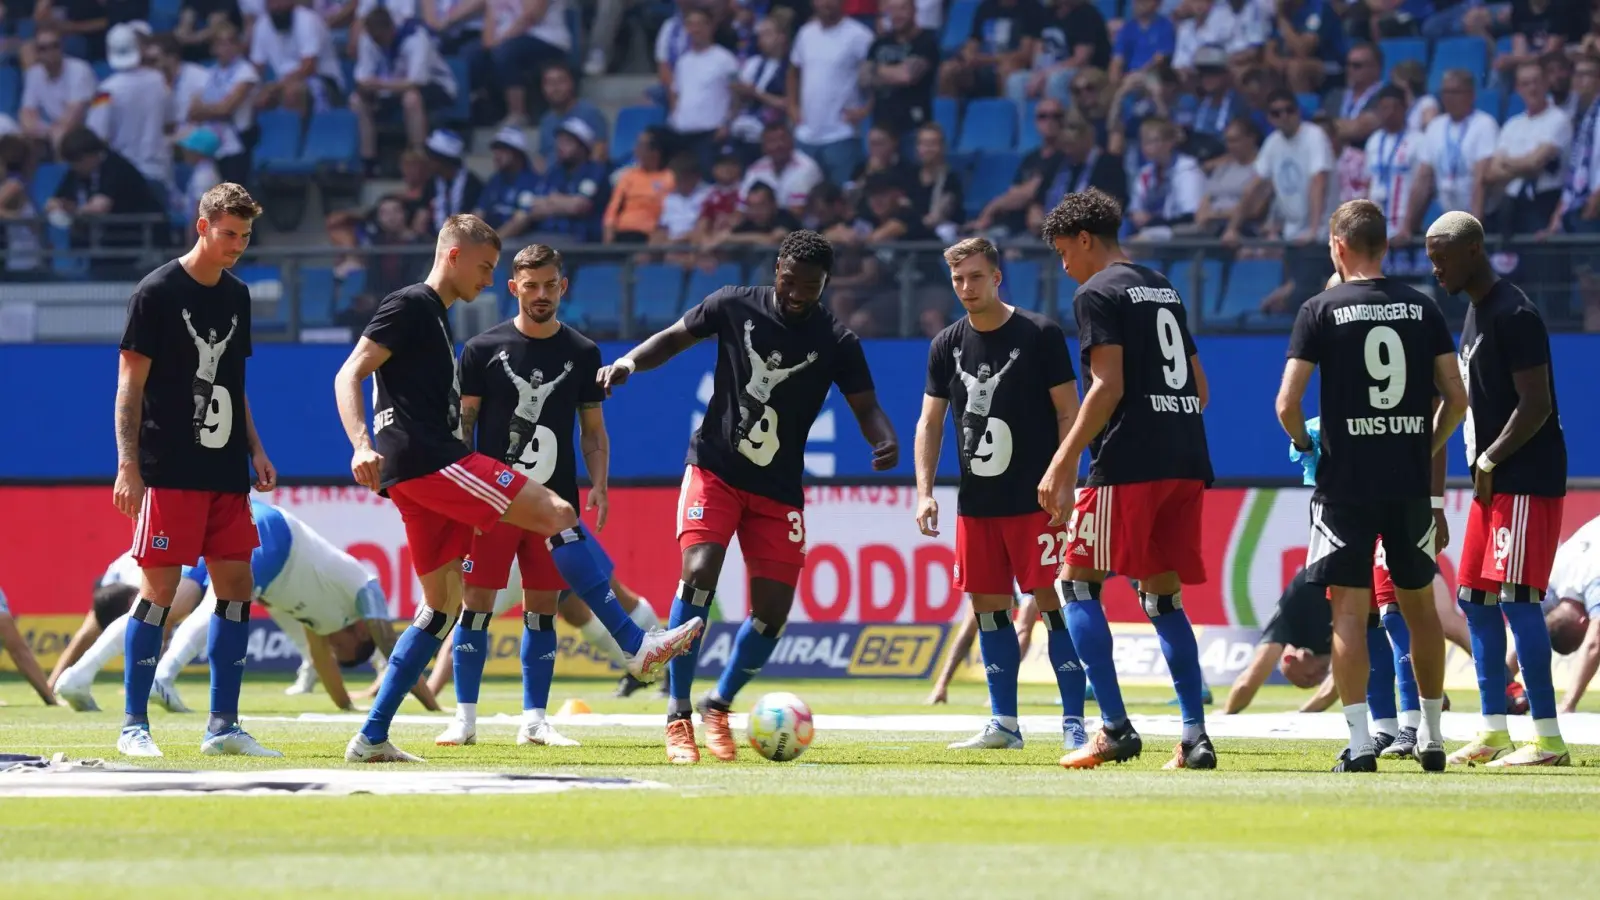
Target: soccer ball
780,727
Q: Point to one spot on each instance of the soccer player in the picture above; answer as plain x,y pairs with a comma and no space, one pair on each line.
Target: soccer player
11,641
1382,348
444,491
1297,639
967,632
1149,467
1518,457
103,636
1009,372
743,477
525,385
186,444
1575,582
1394,731
114,595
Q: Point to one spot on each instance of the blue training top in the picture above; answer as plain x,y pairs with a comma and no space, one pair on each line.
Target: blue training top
267,560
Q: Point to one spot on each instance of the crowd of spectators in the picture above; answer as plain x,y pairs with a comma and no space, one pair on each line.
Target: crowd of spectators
871,120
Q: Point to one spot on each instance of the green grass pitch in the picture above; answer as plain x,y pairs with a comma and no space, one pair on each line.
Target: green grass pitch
860,815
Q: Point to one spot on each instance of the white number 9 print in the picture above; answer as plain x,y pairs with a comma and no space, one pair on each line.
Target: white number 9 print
218,426
761,444
1176,371
1386,363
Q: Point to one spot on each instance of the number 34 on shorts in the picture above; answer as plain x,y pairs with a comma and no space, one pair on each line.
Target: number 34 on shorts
1140,529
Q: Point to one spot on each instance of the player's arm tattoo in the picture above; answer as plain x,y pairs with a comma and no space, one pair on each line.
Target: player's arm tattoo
661,347
596,444
1530,414
1064,397
132,370
470,408
363,361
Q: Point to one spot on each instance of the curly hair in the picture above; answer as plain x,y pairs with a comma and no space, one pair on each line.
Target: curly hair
809,248
1092,211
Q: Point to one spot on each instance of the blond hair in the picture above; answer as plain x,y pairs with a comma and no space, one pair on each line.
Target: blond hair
228,199
467,230
973,247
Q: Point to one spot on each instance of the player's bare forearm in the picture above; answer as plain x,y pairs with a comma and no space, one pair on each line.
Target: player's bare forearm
1452,407
365,359
470,408
327,670
1252,678
595,444
661,347
1583,672
12,640
86,635
926,443
1098,404
1064,397
1291,392
876,428
1323,698
1440,461
1533,408
132,370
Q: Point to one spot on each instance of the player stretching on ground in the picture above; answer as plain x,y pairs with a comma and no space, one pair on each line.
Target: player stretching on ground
1518,457
1140,513
525,384
11,641
444,491
1002,536
750,485
184,478
1382,348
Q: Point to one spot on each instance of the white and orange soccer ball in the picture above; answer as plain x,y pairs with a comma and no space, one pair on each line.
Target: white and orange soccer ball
780,726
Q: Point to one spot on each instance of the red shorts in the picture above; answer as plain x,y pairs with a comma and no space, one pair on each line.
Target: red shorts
992,552
176,527
488,565
1140,529
1382,584
772,535
442,510
1511,541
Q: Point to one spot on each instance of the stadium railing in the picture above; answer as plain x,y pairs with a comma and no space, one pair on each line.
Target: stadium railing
320,294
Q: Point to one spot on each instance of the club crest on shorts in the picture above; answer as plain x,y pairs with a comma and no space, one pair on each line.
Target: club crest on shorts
159,542
695,513
505,479
466,565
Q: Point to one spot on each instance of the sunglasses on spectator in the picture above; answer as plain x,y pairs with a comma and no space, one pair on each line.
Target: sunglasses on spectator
1278,112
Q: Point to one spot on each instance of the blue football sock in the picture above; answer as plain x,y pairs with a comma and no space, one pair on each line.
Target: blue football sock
469,651
690,602
538,659
751,650
584,566
1178,645
141,649
1394,624
1091,635
226,645
1064,661
1002,656
414,649
1380,680
1487,629
1532,637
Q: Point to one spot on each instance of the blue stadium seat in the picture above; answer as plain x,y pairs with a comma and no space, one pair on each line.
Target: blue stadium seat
164,15
1309,104
1468,53
460,112
957,26
102,70
1492,100
657,295
332,142
1249,282
1066,289
990,124
703,284
600,287
947,115
1110,9
278,150
631,121
1020,287
10,90
266,281
317,291
1396,50
353,284
46,178
1515,105
988,178
1028,129
1181,274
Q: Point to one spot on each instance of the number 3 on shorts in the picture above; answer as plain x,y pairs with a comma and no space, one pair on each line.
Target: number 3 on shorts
797,527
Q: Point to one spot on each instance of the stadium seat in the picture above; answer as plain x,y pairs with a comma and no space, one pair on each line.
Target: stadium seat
1020,287
332,142
1028,129
316,296
102,70
266,286
600,286
990,125
353,284
1066,289
703,284
631,121
1181,274
657,295
1397,50
46,178
1249,282
279,147
10,90
1515,105
1468,53
1492,100
988,177
1309,103
957,26
459,112
164,15
947,115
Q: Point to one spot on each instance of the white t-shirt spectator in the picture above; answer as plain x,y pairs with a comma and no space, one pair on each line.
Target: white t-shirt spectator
1453,150
1218,28
50,97
220,82
190,83
203,177
791,186
1290,164
307,37
830,61
130,115
1425,107
680,211
1524,134
1392,172
552,29
701,79
401,11
8,125
672,41
1178,190
414,58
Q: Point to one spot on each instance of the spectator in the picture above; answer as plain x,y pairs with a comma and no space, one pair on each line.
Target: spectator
100,182
454,189
1558,74
824,88
1229,179
1081,165
1526,164
458,24
294,44
1308,44
1453,18
227,105
1252,25
720,211
393,269
789,172
1353,109
1007,214
936,196
20,245
130,111
1200,23
510,194
764,223
603,35
185,80
1455,148
1146,39
1004,39
1219,104
1540,28
1393,153
886,219
1295,168
560,89
1256,86
397,68
672,39
1590,46
761,88
855,275
1074,36
701,102
1421,107
522,37
416,181
1579,209
199,150
88,21
1169,185
401,12
640,192
55,91
335,14
1156,94
1091,99
8,125
680,211
573,190
199,23
883,158
900,70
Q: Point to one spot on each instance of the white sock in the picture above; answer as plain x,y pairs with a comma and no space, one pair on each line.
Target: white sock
1410,718
1494,723
467,714
1009,723
1391,727
594,631
188,639
645,617
106,647
1355,716
1430,732
1547,728
532,716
